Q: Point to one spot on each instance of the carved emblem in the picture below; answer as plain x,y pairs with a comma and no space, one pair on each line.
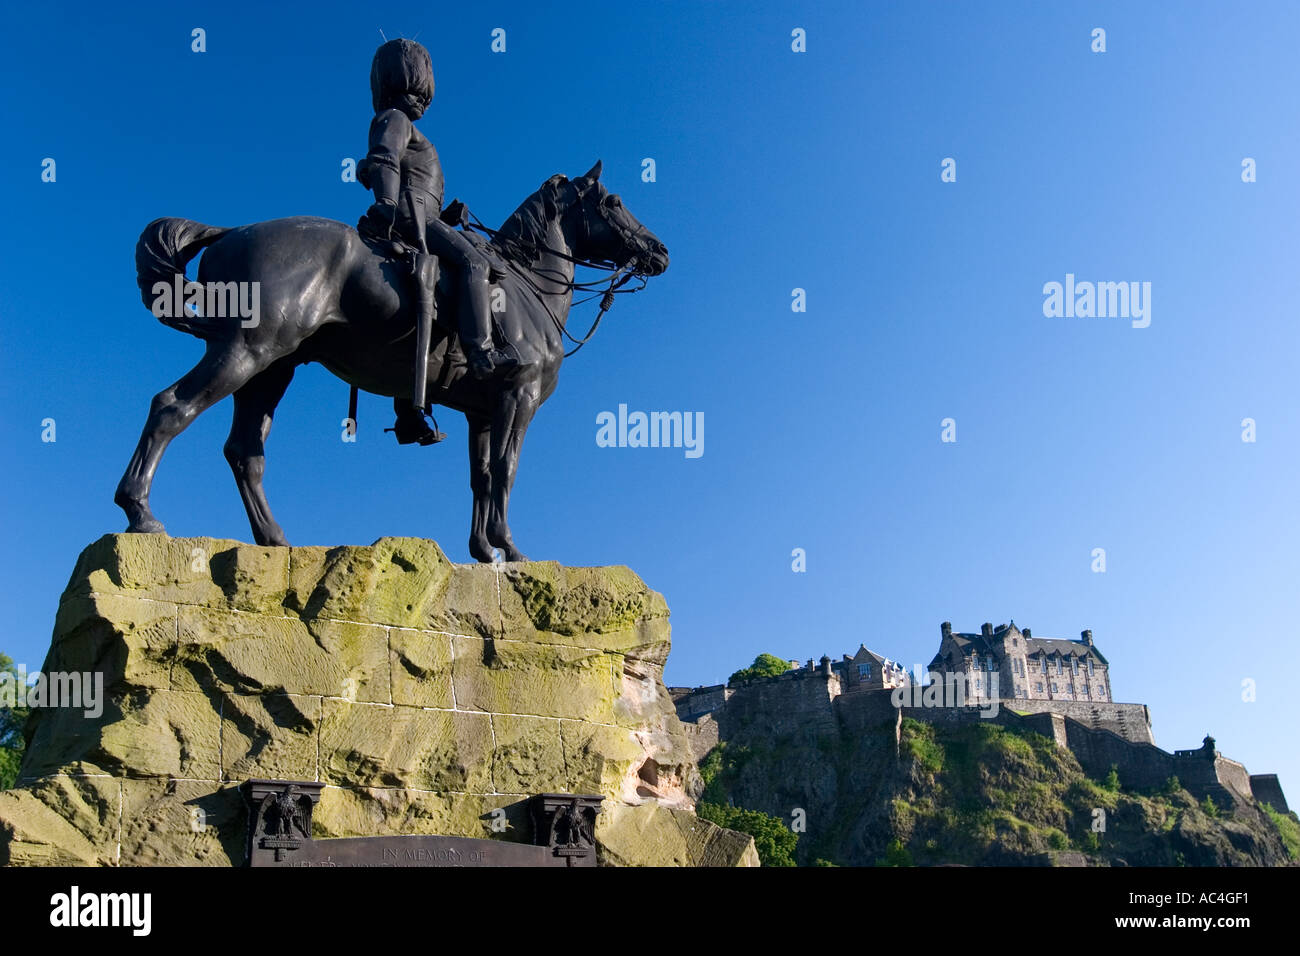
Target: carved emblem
566,824
281,817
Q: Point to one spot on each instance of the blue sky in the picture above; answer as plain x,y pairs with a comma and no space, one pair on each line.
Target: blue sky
775,170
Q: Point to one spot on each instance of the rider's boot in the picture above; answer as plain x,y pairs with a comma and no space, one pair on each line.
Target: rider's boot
476,328
411,427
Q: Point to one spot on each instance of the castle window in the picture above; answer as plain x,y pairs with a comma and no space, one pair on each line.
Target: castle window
992,665
864,670
979,685
1038,687
1058,666
1090,667
1074,665
975,661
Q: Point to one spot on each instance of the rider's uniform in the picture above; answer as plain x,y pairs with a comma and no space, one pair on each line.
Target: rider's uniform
402,167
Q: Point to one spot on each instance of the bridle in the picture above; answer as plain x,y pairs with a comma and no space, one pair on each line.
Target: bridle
620,275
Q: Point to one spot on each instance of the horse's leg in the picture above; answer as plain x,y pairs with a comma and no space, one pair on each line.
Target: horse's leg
246,447
480,482
223,368
509,424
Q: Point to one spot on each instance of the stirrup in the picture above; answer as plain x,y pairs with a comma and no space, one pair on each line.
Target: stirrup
411,435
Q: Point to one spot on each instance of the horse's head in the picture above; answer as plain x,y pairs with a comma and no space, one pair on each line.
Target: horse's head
599,226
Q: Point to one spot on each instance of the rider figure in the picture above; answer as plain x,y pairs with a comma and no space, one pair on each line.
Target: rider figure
403,171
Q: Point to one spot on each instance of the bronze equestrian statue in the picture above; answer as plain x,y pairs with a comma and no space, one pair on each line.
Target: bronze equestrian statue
332,295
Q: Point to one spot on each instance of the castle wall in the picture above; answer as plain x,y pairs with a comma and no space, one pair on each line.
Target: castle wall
1050,725
795,703
859,711
1141,765
1232,775
1130,721
693,704
1267,789
944,715
703,735
1144,766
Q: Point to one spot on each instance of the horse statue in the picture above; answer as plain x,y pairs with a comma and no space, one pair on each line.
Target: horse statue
325,295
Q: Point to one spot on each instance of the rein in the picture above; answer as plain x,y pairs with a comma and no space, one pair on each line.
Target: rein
619,276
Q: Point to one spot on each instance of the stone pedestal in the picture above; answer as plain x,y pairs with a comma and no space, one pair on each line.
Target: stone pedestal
426,697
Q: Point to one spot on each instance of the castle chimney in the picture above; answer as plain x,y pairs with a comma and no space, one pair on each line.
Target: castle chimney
826,666
945,629
986,629
1087,637
810,665
1027,632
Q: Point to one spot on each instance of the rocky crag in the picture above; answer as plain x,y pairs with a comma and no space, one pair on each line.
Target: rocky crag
428,697
893,790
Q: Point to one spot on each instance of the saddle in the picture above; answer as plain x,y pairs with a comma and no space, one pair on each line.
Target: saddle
435,301
456,213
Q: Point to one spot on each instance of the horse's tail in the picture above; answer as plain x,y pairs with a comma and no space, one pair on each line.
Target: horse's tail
165,247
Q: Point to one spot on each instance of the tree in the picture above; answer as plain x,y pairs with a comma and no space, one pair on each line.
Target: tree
774,841
896,854
12,720
765,665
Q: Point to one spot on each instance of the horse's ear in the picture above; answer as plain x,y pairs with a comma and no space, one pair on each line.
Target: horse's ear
551,194
593,174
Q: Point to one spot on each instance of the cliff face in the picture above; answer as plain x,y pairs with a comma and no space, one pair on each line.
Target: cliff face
428,697
902,792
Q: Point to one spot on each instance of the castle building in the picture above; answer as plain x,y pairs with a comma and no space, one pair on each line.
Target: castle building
867,670
1008,663
1004,665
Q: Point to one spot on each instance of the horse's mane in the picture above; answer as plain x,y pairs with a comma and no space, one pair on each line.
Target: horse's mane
523,234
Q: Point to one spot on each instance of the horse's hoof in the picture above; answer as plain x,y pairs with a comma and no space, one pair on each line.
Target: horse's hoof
147,526
512,553
481,551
